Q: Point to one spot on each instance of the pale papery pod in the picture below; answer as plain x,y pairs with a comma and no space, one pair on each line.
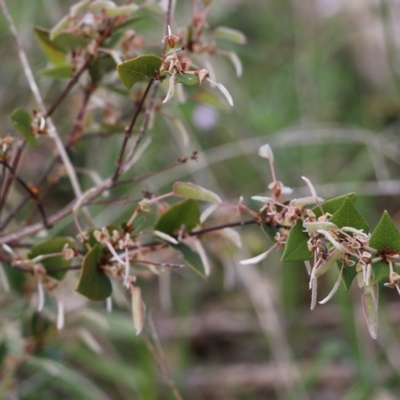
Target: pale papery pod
4,280
232,235
203,256
335,287
262,199
305,201
171,88
324,267
265,151
360,279
138,309
319,225
207,212
60,315
236,62
225,92
310,186
166,237
370,311
331,239
257,259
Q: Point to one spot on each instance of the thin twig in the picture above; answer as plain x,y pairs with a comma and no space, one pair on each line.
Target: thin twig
143,128
52,131
31,193
8,182
128,131
81,70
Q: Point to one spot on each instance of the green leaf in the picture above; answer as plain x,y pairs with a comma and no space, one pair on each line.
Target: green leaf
230,34
22,120
192,258
348,275
3,352
210,99
270,230
140,67
52,51
59,27
195,192
121,10
125,25
332,205
93,282
101,66
179,127
68,41
51,246
385,236
187,79
370,307
348,215
100,5
15,277
296,248
58,72
185,213
380,271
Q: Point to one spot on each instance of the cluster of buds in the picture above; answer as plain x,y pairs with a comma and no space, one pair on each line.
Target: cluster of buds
329,243
5,143
175,65
38,126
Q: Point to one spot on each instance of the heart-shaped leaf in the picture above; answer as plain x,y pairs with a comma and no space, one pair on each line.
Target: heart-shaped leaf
332,205
222,32
138,68
63,71
380,271
22,121
385,236
192,258
53,52
348,275
52,246
185,213
296,248
93,282
187,79
348,215
195,192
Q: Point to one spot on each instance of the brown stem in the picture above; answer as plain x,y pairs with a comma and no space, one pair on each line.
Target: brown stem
143,128
81,70
128,131
30,192
8,183
74,134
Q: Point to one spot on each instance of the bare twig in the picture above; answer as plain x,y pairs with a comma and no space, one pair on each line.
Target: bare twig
8,182
128,131
30,192
143,128
35,90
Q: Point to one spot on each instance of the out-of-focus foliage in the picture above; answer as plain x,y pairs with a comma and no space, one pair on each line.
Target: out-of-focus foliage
320,84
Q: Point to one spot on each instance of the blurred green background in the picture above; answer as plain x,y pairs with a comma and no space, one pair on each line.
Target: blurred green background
320,84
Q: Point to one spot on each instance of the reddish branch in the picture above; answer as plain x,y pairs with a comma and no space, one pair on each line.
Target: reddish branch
128,131
82,69
31,193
